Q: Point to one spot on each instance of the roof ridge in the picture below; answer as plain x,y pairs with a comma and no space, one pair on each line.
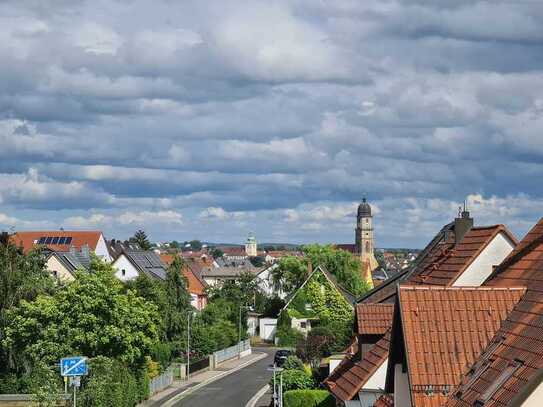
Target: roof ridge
458,288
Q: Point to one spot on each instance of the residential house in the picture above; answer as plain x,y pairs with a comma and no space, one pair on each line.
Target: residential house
132,263
459,255
62,240
196,285
299,307
63,264
510,369
266,284
437,334
217,275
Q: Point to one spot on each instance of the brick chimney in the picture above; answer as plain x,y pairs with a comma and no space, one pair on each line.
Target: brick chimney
462,224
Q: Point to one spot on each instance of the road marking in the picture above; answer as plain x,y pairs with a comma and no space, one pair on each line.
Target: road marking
257,396
171,402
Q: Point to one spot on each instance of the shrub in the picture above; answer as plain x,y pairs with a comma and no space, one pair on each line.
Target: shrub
161,352
109,384
293,362
288,336
308,398
295,380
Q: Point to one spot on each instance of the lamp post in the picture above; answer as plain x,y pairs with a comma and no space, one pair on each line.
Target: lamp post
277,395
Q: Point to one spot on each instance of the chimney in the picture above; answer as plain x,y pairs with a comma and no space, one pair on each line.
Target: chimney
462,224
72,249
85,251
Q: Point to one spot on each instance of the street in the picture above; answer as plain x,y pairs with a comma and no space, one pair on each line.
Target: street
234,390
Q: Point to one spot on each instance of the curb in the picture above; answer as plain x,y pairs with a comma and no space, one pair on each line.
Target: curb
183,394
257,396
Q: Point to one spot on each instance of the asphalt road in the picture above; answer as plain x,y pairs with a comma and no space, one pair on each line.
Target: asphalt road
234,390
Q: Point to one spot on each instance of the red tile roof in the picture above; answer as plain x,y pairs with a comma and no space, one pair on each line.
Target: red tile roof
28,240
351,375
438,263
515,354
447,262
445,330
374,319
195,285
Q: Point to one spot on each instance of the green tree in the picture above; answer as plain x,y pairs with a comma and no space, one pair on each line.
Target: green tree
22,277
140,238
290,273
178,300
92,316
216,252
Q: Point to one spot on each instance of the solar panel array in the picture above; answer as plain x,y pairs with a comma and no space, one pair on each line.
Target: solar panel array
55,240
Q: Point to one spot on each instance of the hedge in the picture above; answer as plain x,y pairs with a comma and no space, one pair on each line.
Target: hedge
308,398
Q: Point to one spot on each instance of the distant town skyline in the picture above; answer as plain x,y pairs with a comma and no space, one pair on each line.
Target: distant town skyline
198,122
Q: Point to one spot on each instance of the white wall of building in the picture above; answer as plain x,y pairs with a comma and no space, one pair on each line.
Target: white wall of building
57,269
101,249
377,380
402,395
268,326
122,263
492,255
536,398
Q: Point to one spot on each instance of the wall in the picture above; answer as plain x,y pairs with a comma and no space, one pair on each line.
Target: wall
297,324
493,254
377,380
268,326
130,271
402,395
536,398
23,400
101,249
62,274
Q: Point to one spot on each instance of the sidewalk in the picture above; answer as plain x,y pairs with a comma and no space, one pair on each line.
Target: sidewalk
200,379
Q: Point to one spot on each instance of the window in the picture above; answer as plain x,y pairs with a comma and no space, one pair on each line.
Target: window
55,273
303,325
55,240
123,272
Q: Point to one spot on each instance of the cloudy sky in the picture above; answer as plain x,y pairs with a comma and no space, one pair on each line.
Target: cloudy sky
210,119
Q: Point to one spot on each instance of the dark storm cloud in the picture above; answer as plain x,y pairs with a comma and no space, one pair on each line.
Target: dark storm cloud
208,119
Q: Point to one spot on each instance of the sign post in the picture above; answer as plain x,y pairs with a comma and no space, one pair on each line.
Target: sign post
73,368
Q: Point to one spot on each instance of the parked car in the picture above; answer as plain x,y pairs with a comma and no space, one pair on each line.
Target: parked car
280,356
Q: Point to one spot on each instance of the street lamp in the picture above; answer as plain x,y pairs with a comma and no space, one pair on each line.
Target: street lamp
277,398
239,328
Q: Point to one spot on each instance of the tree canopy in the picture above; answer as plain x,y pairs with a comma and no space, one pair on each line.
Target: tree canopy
292,271
140,238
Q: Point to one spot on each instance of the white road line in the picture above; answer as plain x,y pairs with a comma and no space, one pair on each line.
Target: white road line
257,396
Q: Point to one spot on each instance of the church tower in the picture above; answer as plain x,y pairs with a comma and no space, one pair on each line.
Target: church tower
251,246
364,240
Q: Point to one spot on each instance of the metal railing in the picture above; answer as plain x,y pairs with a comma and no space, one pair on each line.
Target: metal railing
232,351
161,382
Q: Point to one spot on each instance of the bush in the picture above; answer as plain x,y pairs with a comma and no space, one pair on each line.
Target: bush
288,336
293,363
295,380
161,352
109,384
308,398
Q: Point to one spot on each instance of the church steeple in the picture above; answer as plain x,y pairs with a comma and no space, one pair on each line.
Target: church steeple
364,240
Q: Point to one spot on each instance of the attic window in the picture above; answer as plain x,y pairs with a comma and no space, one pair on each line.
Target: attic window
123,272
505,375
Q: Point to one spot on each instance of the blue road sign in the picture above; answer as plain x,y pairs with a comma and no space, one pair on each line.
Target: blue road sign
73,366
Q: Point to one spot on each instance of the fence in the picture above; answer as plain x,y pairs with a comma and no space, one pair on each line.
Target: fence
161,382
232,351
199,365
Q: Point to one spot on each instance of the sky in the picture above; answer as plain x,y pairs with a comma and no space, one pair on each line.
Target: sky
212,119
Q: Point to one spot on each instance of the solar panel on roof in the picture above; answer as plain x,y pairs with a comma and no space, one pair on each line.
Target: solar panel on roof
42,240
48,240
68,240
55,240
62,240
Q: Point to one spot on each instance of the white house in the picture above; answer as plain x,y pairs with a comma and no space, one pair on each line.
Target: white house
131,263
